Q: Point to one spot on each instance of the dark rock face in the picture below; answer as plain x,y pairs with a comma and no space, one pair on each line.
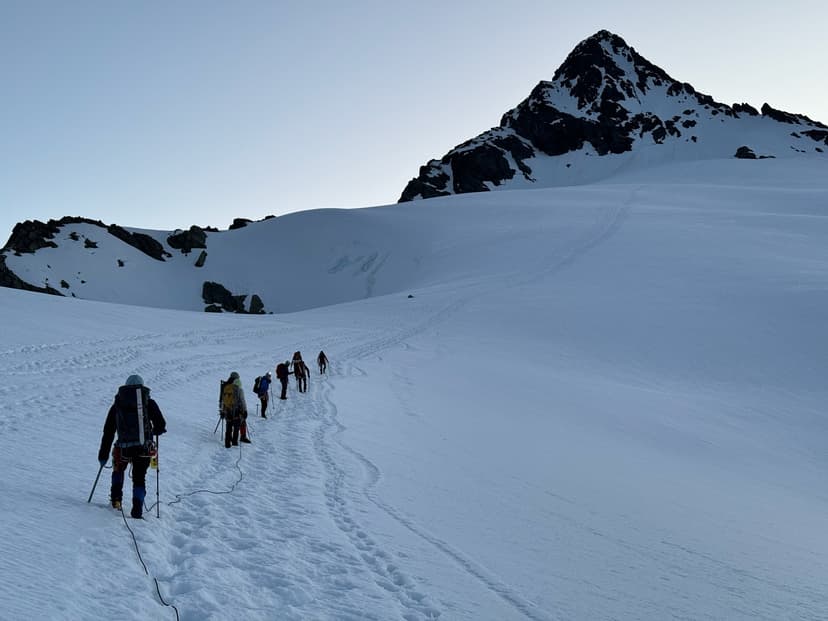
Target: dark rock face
88,243
788,117
239,223
603,98
140,241
218,298
744,108
32,235
818,135
185,241
256,305
745,153
474,167
215,293
431,182
582,73
553,132
202,258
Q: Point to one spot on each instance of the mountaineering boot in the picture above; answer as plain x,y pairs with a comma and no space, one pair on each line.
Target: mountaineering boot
116,492
246,440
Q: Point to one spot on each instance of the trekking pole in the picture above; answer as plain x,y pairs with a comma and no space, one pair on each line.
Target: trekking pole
221,418
96,481
154,464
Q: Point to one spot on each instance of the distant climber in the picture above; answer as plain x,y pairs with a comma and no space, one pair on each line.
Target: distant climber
301,372
263,392
322,361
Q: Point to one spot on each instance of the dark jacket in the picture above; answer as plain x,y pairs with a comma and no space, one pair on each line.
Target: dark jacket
264,385
300,369
157,423
282,371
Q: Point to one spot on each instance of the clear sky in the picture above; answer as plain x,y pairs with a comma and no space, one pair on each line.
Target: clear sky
166,114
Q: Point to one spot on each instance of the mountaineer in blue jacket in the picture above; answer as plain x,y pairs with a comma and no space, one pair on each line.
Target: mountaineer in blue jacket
263,392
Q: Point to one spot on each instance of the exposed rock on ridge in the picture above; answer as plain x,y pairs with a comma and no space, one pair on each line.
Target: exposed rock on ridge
31,235
605,99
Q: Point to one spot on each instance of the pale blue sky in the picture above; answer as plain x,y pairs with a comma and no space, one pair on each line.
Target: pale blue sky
166,114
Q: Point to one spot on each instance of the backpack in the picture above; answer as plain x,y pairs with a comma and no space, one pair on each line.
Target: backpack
257,384
228,397
300,369
132,416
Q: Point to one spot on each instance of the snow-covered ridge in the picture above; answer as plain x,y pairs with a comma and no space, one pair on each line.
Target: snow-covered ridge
608,100
242,270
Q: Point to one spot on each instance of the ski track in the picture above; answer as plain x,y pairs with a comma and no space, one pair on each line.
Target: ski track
309,439
387,574
609,222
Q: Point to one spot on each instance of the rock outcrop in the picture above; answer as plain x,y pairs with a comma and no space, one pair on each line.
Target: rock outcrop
185,241
218,298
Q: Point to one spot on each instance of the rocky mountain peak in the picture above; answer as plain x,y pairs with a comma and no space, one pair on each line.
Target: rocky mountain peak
607,100
603,67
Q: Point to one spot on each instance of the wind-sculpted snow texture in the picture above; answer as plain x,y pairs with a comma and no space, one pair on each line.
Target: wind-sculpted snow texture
606,109
602,402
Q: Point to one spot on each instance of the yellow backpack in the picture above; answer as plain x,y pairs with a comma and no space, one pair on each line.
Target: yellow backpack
228,398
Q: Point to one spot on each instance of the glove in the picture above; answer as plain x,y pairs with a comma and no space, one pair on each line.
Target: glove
159,432
102,462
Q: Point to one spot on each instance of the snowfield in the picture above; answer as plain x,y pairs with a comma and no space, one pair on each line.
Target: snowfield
601,402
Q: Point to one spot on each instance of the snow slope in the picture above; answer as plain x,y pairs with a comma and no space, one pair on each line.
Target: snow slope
603,402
